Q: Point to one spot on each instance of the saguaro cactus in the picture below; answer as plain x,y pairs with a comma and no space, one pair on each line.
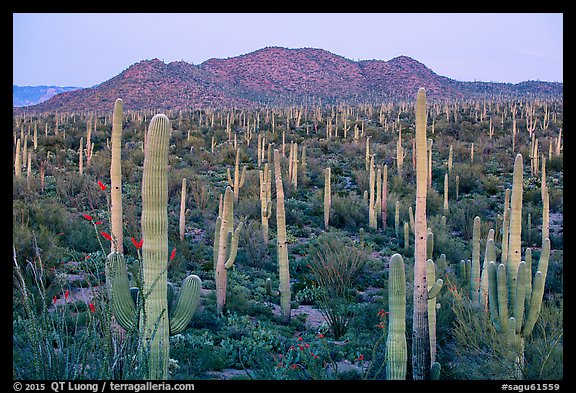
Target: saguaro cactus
238,182
420,334
155,323
475,271
225,247
327,197
265,199
116,178
182,226
515,231
282,245
396,348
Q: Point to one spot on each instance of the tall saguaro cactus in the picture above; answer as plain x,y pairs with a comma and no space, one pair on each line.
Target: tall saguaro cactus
327,197
282,245
116,178
420,334
155,247
225,247
182,223
396,347
265,199
159,318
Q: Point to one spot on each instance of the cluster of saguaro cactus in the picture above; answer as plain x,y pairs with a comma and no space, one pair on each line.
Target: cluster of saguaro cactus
225,247
158,318
511,287
282,246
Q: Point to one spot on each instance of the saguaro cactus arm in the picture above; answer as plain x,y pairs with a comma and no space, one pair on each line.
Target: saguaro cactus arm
187,304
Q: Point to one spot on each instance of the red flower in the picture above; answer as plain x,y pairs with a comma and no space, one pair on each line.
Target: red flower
173,254
381,313
54,299
294,366
92,307
102,186
106,235
307,345
138,245
320,335
98,222
66,294
361,357
300,338
86,216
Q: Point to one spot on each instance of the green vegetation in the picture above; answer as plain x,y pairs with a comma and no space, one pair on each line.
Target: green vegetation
313,253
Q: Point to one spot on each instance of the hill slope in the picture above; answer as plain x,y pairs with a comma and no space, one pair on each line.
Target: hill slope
276,75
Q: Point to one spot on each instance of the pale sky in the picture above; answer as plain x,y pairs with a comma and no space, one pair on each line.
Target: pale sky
85,49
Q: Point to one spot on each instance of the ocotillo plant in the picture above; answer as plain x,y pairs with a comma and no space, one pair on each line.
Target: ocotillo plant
155,323
225,247
420,334
116,178
396,347
238,182
282,246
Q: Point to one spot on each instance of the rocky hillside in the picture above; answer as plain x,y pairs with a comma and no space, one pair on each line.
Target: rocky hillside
276,75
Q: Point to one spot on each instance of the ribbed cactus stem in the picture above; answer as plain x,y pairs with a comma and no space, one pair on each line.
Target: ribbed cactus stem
397,218
265,199
406,236
384,196
227,247
515,231
446,206
187,303
489,256
434,287
116,178
475,272
182,226
396,347
118,284
537,289
80,157
238,182
420,335
429,243
18,160
282,243
155,247
372,219
327,197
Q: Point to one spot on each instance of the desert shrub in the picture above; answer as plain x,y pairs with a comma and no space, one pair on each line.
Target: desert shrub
335,265
348,212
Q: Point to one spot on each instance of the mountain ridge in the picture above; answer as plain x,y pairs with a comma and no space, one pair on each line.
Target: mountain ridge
277,75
